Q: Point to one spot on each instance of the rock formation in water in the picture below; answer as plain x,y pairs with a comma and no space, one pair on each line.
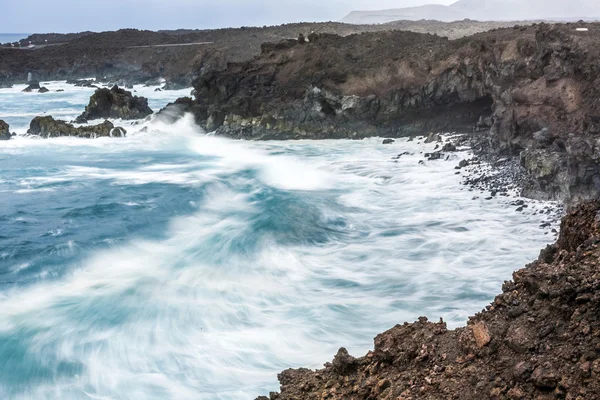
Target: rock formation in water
32,86
4,131
532,92
48,127
115,103
539,339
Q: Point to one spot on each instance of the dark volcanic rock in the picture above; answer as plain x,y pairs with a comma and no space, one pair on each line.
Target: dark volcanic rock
43,90
535,88
539,339
388,141
32,86
48,127
178,83
4,131
115,103
173,111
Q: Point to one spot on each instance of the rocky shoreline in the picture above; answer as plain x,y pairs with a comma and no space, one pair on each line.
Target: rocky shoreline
528,93
539,339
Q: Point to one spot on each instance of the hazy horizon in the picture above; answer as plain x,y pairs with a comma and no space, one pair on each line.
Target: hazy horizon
67,16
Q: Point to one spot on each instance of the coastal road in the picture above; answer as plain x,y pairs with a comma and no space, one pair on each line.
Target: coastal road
170,45
41,46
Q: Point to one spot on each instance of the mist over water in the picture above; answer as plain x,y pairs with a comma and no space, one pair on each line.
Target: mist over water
171,264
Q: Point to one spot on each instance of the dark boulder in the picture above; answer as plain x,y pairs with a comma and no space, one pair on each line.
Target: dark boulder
388,141
31,88
115,103
33,85
449,147
4,131
82,82
173,111
178,83
43,90
48,127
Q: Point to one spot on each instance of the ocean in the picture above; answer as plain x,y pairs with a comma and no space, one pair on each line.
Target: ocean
173,264
12,37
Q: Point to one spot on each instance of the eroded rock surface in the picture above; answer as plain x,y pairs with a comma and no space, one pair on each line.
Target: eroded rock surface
532,91
4,131
539,339
48,127
115,103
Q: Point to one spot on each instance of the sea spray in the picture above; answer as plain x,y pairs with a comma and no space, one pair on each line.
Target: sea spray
174,265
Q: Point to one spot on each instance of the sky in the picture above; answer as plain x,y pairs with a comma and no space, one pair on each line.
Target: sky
62,16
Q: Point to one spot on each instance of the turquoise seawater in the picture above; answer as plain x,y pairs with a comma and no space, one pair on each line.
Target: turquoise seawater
172,264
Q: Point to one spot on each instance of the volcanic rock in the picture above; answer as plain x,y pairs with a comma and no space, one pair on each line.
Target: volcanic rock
4,131
48,127
115,103
32,86
388,141
43,90
531,92
558,338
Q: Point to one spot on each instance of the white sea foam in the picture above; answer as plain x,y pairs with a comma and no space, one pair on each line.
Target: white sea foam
247,286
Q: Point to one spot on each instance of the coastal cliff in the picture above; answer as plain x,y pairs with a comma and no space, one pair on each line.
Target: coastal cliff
137,56
539,339
532,92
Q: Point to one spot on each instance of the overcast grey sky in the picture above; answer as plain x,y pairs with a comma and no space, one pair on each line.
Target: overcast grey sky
33,16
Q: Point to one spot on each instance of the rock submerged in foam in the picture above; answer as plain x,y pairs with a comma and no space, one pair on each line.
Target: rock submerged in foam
4,131
48,127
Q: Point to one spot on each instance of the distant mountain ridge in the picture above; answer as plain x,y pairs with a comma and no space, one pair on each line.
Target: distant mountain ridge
484,10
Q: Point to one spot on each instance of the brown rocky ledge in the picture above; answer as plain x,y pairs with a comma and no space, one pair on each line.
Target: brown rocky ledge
539,339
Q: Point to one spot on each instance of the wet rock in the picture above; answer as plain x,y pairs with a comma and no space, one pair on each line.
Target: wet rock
449,147
32,86
4,131
388,141
433,137
115,103
43,90
48,127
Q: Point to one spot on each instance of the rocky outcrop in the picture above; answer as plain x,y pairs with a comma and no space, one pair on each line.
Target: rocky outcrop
178,83
539,339
531,91
4,131
137,56
48,127
115,103
43,90
32,86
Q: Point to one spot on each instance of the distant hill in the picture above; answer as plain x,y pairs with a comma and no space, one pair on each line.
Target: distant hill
484,10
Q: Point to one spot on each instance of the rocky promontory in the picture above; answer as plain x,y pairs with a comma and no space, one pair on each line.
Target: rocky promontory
530,92
48,127
115,103
539,339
